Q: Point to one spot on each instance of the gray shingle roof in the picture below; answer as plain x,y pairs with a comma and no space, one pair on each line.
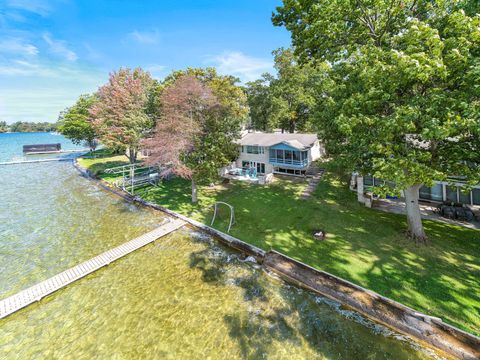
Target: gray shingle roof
298,141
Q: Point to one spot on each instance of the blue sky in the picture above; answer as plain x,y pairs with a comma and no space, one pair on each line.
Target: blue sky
51,51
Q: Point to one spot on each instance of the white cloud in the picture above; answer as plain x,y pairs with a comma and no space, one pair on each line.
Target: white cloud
59,47
17,47
39,7
145,37
247,68
157,71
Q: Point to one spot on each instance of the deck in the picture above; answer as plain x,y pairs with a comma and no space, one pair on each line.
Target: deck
36,292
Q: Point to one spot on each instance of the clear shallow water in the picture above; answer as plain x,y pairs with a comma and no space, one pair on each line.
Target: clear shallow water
185,296
11,144
52,219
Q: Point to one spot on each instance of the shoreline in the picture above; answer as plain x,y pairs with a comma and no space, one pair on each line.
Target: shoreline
428,330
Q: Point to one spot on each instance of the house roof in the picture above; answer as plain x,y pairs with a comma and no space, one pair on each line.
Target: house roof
297,141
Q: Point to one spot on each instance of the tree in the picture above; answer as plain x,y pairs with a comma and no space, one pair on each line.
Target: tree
259,98
3,127
76,122
291,92
195,134
224,87
399,93
124,112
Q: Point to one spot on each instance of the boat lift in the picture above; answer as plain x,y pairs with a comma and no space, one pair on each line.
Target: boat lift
135,175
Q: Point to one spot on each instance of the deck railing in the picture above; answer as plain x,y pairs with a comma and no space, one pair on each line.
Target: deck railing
281,161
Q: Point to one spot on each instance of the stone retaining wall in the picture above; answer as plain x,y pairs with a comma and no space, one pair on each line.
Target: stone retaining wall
431,330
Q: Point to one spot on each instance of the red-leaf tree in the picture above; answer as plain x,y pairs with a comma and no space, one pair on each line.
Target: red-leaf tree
121,114
194,136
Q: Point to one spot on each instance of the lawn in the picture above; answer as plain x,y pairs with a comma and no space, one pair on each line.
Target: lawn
365,246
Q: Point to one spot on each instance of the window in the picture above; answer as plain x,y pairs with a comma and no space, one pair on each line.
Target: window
279,154
452,193
463,197
296,155
434,193
288,155
254,149
368,180
476,196
261,168
378,182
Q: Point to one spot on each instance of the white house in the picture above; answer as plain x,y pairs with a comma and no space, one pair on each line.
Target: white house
277,153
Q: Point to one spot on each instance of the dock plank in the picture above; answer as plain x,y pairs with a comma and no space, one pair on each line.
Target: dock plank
36,292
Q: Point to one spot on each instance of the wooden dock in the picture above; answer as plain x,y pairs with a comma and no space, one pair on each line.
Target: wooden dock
35,161
35,293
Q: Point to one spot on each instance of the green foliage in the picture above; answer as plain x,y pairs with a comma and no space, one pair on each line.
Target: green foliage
399,92
24,126
214,148
3,127
259,97
292,98
125,110
225,88
284,101
76,122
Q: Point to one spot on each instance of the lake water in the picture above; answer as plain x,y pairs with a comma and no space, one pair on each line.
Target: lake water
184,297
11,144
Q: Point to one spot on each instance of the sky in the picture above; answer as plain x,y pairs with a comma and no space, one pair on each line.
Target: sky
51,51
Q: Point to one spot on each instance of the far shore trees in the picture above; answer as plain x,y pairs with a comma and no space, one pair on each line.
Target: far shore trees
399,97
3,127
124,112
76,122
194,136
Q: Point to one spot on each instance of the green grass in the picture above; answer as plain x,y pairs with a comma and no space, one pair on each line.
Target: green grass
363,245
101,160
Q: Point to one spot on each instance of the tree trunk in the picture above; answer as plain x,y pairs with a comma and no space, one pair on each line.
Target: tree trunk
132,155
414,218
194,191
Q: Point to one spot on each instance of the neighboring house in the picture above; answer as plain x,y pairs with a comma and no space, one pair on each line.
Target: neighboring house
442,191
278,153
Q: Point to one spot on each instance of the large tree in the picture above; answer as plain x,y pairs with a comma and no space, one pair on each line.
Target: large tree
76,122
399,96
259,98
225,88
194,136
291,93
125,110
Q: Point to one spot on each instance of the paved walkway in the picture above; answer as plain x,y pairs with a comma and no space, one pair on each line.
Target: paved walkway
427,211
312,184
36,292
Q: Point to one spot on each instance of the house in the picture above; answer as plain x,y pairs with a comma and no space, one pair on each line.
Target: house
277,153
454,191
